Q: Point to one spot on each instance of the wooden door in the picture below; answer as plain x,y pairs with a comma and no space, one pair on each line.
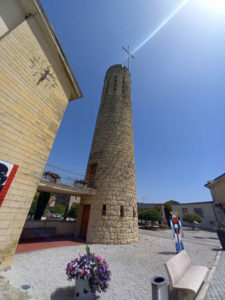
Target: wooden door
84,221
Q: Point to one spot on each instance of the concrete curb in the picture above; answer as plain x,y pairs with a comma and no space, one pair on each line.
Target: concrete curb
206,284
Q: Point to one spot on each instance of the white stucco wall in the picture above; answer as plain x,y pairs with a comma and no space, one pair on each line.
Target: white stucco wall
207,209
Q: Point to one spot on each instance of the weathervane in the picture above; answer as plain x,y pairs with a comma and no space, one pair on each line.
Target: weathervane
129,55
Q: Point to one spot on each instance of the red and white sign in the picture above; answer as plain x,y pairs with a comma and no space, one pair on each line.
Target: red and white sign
7,173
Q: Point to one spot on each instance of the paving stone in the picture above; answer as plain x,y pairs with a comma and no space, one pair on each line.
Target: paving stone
8,292
216,290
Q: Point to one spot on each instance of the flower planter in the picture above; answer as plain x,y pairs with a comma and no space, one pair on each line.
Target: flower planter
88,269
221,236
80,185
82,290
50,178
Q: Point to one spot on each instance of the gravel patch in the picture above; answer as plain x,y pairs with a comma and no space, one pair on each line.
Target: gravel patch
132,265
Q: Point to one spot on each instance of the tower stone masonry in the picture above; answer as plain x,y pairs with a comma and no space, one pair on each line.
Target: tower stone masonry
112,212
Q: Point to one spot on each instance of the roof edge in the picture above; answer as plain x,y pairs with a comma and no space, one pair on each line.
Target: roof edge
51,31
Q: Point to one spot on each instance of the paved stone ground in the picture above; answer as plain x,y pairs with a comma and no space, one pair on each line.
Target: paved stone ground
9,292
216,290
132,265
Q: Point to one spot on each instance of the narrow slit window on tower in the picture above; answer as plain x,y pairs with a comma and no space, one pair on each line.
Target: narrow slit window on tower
134,212
122,211
103,209
107,87
123,86
115,83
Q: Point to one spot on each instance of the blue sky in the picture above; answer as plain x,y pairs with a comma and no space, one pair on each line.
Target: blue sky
178,88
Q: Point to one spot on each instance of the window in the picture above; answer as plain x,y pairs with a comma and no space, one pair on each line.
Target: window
184,210
199,212
134,212
107,87
115,83
103,210
122,211
123,86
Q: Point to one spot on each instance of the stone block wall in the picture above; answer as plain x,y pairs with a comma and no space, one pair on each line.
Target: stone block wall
113,152
30,114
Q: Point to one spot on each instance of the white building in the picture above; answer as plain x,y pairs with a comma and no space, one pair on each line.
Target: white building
204,209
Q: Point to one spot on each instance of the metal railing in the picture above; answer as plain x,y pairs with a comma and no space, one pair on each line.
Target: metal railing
67,177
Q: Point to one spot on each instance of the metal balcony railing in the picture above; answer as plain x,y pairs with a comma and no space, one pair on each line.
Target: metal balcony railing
68,177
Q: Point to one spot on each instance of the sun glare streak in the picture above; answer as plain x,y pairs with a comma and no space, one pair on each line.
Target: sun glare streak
161,26
215,6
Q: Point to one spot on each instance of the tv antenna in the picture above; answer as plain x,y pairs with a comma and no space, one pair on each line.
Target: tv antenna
129,55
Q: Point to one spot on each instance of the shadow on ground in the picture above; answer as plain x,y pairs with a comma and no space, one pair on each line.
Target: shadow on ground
167,253
217,249
151,228
65,293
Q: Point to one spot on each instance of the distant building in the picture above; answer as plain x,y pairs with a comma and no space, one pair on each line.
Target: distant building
67,200
204,209
144,206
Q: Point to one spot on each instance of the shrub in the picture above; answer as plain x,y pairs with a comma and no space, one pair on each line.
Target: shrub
32,208
51,174
191,217
42,202
150,215
58,209
72,213
172,202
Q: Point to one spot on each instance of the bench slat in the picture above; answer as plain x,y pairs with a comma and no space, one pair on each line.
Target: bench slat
192,279
184,277
177,266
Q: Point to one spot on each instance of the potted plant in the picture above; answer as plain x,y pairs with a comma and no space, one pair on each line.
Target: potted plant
92,275
220,229
81,182
221,234
54,177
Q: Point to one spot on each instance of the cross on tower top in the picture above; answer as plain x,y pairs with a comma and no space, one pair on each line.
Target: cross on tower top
129,55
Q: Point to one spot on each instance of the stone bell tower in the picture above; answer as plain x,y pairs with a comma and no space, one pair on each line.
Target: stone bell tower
111,214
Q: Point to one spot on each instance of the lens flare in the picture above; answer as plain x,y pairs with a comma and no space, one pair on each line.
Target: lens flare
216,6
161,25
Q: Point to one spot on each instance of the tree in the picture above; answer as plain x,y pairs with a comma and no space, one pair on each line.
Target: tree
168,210
32,209
72,213
172,202
58,209
191,218
41,205
150,215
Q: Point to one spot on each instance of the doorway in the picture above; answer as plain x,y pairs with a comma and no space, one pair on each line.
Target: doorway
84,221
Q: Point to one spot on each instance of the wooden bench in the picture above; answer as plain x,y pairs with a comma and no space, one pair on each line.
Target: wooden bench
183,277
